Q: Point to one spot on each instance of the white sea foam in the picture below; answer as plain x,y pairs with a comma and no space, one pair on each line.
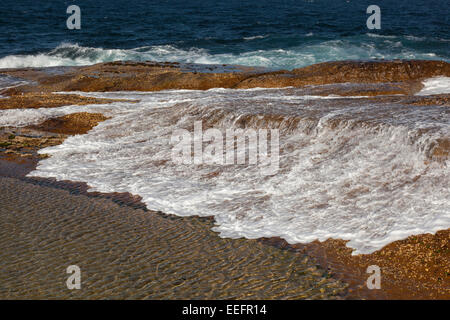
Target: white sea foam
366,178
436,85
375,35
295,57
255,37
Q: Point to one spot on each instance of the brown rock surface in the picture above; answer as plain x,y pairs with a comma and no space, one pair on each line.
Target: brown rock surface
353,71
375,71
415,268
16,143
75,123
31,100
151,76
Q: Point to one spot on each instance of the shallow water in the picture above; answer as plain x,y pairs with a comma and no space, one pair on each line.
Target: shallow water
128,253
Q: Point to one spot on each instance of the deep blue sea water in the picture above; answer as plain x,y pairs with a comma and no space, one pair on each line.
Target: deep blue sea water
274,34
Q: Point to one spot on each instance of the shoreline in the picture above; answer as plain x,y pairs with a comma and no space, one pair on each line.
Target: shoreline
332,255
407,262
130,253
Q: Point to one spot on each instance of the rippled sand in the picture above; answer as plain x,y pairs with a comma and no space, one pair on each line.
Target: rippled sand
124,252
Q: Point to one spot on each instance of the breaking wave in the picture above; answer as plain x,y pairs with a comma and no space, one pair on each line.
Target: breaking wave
388,47
436,85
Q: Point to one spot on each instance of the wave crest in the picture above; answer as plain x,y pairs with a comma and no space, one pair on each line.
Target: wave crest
68,54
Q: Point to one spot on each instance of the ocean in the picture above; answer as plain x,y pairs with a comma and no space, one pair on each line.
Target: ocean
274,34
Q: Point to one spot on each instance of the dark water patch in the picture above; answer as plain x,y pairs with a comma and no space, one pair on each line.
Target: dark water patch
270,34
